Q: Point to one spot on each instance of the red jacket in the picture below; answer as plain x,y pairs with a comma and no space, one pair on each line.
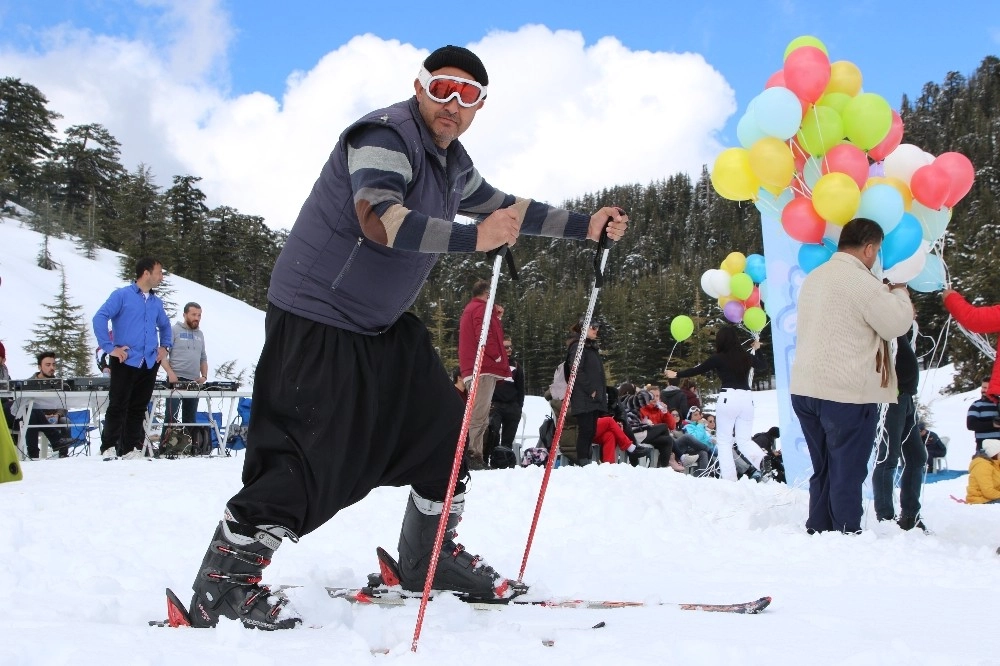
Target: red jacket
653,413
984,319
495,361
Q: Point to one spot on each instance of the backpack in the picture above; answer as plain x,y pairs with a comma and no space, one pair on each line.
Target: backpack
502,457
546,432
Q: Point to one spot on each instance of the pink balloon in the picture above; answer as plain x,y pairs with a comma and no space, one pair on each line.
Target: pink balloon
801,221
891,140
734,311
807,71
930,185
961,173
848,159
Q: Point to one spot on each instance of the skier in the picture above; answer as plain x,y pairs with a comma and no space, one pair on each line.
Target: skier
349,392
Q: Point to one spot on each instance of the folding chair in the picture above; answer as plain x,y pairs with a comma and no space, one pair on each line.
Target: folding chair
79,431
236,433
214,430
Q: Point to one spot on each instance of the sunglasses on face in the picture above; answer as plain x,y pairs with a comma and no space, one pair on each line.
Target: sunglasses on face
442,89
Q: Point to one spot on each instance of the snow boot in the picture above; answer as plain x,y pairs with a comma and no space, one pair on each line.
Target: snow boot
457,570
228,582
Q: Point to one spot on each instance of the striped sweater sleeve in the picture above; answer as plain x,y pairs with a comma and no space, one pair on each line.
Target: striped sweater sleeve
479,199
381,171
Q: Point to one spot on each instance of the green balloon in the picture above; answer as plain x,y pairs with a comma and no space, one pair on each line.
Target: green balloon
740,286
805,40
867,119
754,319
821,130
681,328
835,100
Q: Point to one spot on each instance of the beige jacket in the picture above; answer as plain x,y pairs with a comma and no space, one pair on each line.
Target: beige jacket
845,318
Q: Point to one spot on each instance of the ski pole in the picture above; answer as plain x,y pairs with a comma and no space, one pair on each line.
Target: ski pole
460,446
604,247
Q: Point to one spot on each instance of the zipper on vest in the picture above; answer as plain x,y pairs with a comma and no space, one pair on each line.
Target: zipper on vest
347,264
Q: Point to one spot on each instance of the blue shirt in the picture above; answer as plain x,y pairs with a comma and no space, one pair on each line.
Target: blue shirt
138,321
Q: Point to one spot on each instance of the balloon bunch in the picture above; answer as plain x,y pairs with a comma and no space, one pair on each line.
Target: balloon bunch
817,151
737,283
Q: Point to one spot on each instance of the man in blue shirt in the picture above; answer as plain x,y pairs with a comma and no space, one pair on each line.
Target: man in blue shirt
142,338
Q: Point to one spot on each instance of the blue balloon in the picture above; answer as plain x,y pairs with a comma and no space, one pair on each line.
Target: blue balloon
778,112
931,278
768,204
902,242
811,256
756,268
746,129
882,204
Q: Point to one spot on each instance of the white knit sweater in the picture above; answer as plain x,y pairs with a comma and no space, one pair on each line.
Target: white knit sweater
844,315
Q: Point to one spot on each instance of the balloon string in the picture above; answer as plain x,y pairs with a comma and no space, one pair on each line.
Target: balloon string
667,366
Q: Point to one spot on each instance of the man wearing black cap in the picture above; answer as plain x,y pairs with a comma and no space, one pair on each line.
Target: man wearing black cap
349,393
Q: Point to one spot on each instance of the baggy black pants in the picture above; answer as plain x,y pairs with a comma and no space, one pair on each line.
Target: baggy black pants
128,401
336,414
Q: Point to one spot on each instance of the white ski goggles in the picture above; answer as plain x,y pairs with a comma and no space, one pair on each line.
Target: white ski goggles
443,88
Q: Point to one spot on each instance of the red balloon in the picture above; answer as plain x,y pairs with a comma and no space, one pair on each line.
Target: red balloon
891,140
930,185
801,221
753,300
807,71
849,159
775,80
961,173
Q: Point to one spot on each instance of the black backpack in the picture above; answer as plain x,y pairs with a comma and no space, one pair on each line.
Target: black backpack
546,432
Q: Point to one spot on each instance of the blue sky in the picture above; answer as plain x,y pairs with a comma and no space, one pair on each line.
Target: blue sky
231,66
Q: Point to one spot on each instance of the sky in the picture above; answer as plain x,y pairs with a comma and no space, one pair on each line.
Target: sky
251,96
89,546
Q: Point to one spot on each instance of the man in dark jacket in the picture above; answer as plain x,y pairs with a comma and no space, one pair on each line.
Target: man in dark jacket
349,392
901,437
508,398
589,399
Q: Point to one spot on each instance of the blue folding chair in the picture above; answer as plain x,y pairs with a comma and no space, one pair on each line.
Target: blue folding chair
79,431
202,417
236,433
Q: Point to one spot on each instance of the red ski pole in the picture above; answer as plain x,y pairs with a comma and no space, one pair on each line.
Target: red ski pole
605,247
459,448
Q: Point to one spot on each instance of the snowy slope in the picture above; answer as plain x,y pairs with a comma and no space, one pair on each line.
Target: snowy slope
88,547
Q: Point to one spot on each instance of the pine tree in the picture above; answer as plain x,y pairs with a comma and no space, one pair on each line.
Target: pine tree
26,137
63,331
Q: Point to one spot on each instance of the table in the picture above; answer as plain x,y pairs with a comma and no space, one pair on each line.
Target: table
97,403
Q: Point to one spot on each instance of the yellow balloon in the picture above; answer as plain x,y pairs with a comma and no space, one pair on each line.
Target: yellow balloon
735,262
845,77
724,299
804,40
732,176
836,198
902,187
772,162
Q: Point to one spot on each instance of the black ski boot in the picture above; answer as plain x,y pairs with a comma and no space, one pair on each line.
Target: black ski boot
228,583
457,570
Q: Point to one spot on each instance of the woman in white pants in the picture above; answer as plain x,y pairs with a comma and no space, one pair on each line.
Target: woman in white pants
734,408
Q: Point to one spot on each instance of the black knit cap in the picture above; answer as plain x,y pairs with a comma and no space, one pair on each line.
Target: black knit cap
462,58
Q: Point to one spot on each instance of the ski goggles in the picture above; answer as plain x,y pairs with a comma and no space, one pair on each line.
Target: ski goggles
443,88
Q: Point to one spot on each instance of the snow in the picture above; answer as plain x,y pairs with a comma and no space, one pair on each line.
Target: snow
88,547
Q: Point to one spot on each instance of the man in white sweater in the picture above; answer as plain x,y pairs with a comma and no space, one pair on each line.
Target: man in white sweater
842,370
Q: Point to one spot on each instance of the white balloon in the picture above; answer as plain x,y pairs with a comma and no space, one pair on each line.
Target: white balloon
720,282
902,162
909,268
706,284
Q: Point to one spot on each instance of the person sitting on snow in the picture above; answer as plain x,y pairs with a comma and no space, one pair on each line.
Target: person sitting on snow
984,475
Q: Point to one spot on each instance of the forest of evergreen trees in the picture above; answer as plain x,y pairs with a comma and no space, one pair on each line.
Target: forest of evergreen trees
75,185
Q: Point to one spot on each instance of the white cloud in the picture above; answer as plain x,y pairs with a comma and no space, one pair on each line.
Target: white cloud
563,118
